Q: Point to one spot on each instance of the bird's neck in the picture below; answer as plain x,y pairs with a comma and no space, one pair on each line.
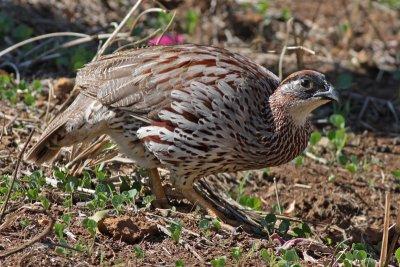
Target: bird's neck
287,138
286,116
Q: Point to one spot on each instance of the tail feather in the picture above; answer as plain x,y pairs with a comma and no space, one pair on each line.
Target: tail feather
67,128
55,135
46,148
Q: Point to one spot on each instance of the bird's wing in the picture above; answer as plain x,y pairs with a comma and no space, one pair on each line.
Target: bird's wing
141,80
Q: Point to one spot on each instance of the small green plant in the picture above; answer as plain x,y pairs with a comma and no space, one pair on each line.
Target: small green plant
80,246
315,138
351,167
397,256
290,258
396,174
163,18
147,200
59,228
139,253
175,229
262,7
236,253
265,172
286,14
268,256
343,29
75,58
356,256
179,263
299,161
90,225
192,18
284,227
218,262
395,4
24,222
331,178
205,225
36,182
338,136
286,258
303,230
14,92
216,223
269,222
45,202
251,202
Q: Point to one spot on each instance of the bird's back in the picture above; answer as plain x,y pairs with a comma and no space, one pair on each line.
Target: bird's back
198,105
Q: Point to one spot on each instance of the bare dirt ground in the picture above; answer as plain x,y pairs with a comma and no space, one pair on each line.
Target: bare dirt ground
357,47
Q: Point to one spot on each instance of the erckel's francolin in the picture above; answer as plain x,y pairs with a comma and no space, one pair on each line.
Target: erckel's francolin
196,110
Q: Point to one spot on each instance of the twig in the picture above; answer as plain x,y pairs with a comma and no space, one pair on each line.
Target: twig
305,186
40,37
54,183
364,107
51,94
314,157
160,10
15,68
10,189
284,48
335,259
374,27
47,54
299,52
395,238
138,41
302,48
277,196
392,109
12,120
52,245
30,242
35,48
385,237
116,31
166,28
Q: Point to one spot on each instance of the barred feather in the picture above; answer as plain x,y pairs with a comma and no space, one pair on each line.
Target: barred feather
194,109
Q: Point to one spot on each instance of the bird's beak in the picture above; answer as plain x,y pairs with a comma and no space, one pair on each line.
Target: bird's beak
330,94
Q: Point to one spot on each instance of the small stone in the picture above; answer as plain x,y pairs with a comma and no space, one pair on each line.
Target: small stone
43,222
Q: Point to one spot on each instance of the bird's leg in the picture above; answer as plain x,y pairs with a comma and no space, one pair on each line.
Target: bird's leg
157,189
191,194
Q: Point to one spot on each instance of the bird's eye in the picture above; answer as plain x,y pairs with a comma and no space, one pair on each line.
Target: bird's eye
306,83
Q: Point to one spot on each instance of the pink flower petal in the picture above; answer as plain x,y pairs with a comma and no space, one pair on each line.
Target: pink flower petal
167,39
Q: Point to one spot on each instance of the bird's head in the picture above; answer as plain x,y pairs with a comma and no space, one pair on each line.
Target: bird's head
304,91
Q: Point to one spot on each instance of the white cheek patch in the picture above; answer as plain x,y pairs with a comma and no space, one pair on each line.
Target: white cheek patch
300,111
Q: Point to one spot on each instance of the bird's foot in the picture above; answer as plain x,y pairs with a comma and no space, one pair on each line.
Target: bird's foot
161,204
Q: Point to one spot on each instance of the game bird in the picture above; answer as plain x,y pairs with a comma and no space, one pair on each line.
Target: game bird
195,110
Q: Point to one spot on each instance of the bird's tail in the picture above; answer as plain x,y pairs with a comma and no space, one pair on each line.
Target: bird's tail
47,147
65,129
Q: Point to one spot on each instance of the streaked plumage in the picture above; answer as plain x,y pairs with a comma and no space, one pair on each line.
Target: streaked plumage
196,110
